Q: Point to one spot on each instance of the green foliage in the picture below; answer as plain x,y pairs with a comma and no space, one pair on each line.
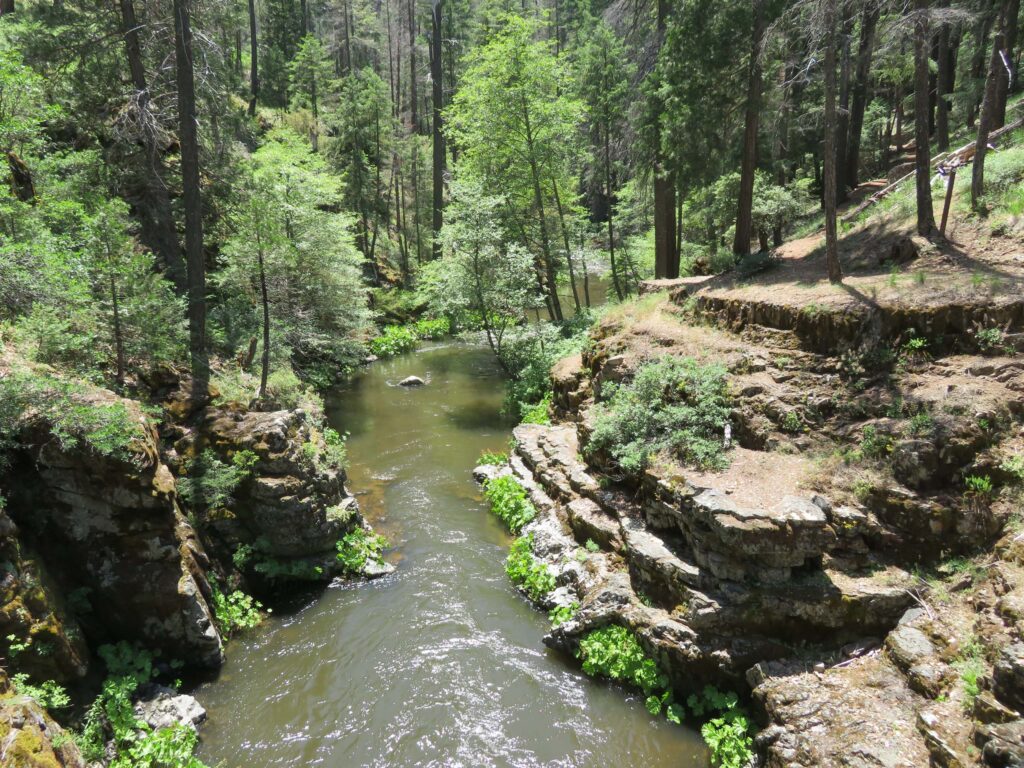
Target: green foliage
614,652
487,458
327,454
1014,466
792,423
396,340
537,414
75,417
562,613
970,665
534,577
979,487
509,502
592,546
112,716
233,611
433,329
359,547
49,694
991,341
875,445
210,481
675,405
727,731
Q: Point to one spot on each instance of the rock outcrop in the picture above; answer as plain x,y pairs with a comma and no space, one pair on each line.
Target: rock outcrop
794,575
29,737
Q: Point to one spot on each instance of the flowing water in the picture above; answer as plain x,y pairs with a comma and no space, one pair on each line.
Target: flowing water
440,663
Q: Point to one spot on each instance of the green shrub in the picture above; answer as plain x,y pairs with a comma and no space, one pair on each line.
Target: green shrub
921,424
535,578
233,611
359,547
592,546
538,413
328,454
433,329
991,341
970,664
529,353
210,482
71,413
509,502
674,405
112,716
979,487
395,340
488,459
874,445
49,694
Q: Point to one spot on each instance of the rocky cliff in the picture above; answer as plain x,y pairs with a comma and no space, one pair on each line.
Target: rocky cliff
842,572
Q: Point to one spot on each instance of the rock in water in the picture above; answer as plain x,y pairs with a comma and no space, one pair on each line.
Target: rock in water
163,707
412,381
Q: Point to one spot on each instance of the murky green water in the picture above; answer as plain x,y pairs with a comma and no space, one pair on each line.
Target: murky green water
441,663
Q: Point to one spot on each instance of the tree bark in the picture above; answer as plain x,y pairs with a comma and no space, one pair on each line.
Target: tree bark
987,116
254,52
189,138
6,6
922,146
835,271
859,91
981,32
948,44
1010,13
843,116
265,364
666,261
413,90
744,213
611,214
437,88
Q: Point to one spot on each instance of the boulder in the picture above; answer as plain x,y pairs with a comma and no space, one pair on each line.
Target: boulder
163,707
1008,676
412,381
1002,746
29,737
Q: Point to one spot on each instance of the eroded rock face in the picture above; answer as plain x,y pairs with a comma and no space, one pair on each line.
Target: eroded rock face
110,531
29,738
295,504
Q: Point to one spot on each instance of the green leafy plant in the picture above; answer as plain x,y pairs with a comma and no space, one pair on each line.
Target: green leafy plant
233,611
492,459
1014,466
535,577
979,487
16,646
562,613
433,329
727,731
990,341
922,424
537,413
49,694
509,502
614,652
591,546
359,547
329,454
395,340
970,665
791,422
675,405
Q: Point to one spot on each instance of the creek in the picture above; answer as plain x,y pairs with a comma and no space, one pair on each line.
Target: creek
440,663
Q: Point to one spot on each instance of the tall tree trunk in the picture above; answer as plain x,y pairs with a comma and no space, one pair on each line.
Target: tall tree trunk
254,52
666,263
158,230
922,146
6,6
568,247
744,213
1003,84
988,108
843,117
118,334
437,94
545,241
977,70
413,90
611,213
948,44
346,63
828,182
265,301
189,138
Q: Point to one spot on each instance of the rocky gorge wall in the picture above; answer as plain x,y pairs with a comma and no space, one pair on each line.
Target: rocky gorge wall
800,578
